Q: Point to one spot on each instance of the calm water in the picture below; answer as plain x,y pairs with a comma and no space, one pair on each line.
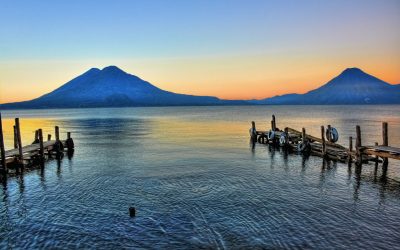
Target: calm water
197,183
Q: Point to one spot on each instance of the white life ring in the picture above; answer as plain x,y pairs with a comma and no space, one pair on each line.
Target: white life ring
334,135
304,147
283,139
271,135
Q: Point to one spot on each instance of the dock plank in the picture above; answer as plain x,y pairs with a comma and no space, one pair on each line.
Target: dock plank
387,149
29,148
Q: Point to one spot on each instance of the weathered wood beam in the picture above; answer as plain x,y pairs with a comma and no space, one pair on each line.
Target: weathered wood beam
313,138
323,151
385,139
41,147
382,154
19,141
2,148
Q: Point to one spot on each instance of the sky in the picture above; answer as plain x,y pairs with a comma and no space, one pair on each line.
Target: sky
231,49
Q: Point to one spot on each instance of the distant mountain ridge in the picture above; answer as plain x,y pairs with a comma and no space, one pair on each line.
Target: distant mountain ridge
352,86
112,87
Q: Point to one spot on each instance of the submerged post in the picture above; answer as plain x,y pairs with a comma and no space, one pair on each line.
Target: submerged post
385,138
2,149
41,148
19,142
323,140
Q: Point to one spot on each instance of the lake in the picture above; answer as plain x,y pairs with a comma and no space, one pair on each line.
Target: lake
197,182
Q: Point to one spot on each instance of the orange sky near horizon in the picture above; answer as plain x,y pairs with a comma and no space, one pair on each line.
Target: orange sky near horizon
241,77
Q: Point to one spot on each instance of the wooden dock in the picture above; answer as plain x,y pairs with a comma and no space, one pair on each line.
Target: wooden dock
326,145
35,154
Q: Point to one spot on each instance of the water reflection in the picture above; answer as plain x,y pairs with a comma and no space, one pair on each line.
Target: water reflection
59,170
196,180
355,174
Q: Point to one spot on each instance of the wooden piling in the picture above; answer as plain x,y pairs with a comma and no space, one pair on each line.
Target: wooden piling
19,142
49,137
2,148
36,140
358,144
253,131
349,157
286,136
329,135
273,123
321,146
351,144
323,140
15,137
41,149
18,157
358,136
376,157
385,138
57,133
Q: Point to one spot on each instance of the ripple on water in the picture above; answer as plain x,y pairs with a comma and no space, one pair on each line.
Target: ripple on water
197,183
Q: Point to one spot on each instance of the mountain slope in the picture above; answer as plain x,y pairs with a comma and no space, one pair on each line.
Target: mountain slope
352,86
112,87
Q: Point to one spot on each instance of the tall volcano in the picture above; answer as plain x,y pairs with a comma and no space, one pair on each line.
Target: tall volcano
112,87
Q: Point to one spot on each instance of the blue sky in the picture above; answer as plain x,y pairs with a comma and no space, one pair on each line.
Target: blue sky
128,32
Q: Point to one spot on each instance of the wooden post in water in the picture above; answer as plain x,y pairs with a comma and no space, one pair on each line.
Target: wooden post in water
287,136
329,137
19,142
303,135
36,140
41,148
57,132
70,143
376,157
358,144
351,144
273,123
323,140
350,155
15,137
349,159
2,149
49,137
385,139
253,132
